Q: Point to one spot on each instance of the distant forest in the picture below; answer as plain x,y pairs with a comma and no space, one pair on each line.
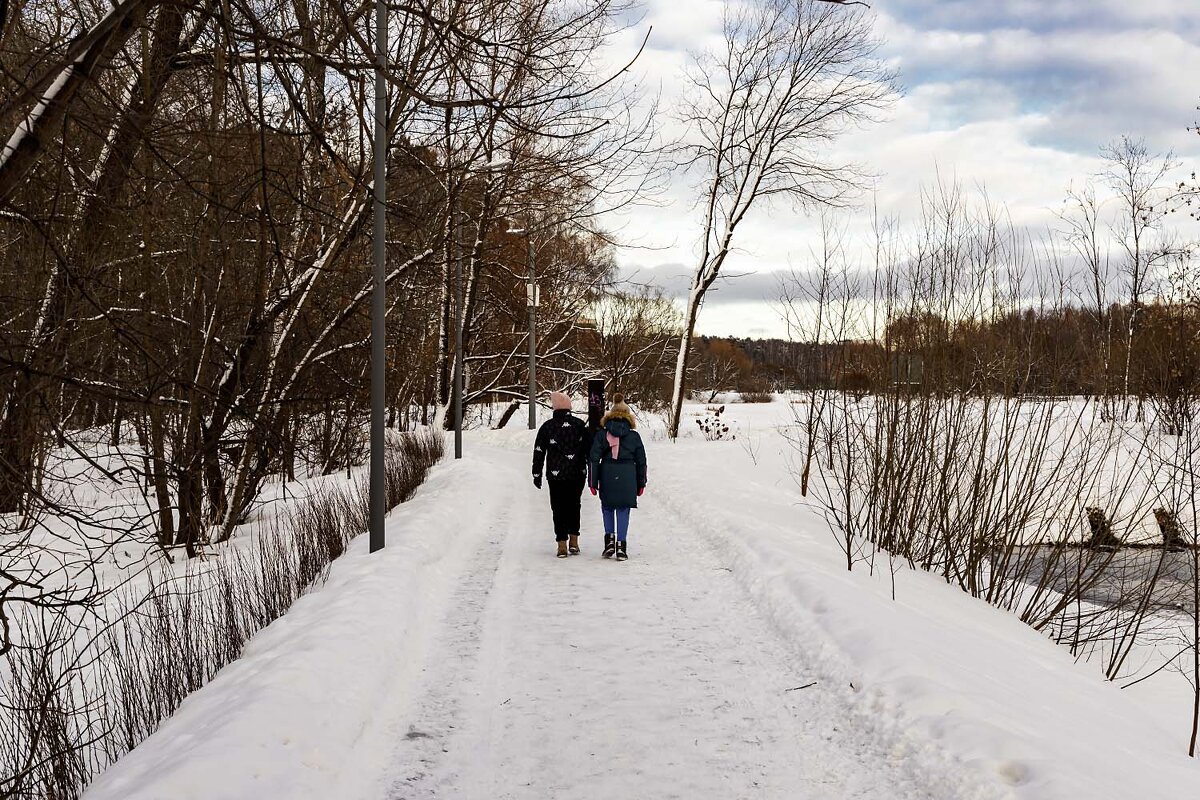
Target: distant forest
1045,352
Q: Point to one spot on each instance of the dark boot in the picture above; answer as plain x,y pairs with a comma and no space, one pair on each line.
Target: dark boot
573,545
610,545
621,554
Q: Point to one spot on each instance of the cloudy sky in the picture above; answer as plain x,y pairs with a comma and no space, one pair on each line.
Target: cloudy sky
1014,95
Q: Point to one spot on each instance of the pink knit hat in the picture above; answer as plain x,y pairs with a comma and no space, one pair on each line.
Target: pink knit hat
560,401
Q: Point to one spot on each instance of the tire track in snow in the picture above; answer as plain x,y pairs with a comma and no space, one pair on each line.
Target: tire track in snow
455,667
446,675
656,678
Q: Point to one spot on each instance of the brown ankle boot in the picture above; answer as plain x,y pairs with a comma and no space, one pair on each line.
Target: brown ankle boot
562,549
573,547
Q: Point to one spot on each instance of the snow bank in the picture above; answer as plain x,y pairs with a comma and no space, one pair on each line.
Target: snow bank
282,721
973,679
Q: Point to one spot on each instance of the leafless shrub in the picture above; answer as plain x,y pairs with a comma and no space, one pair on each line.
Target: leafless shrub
81,696
973,465
713,427
752,444
407,466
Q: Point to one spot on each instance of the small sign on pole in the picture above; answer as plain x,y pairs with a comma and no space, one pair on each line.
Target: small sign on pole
533,295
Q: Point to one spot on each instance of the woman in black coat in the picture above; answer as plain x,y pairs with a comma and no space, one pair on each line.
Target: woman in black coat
617,473
562,447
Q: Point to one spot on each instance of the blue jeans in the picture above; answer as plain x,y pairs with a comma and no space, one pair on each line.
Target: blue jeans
616,520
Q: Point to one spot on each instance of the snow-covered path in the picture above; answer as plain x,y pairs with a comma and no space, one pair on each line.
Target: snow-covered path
588,678
466,661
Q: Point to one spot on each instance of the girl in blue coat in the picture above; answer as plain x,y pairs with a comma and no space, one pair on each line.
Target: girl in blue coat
617,472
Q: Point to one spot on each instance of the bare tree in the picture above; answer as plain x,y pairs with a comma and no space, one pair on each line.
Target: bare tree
1138,179
789,77
1082,218
816,306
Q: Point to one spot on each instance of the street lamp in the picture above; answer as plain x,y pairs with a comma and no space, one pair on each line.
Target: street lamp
460,320
532,298
458,331
532,301
377,495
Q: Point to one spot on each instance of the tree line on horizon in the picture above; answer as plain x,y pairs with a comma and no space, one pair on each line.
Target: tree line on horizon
1057,349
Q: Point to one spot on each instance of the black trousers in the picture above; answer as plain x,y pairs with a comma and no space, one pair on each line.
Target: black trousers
564,504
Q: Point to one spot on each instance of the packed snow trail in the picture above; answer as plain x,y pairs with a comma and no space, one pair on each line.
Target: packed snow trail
588,678
732,656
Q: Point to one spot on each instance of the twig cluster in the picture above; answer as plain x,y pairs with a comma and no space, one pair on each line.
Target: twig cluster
79,695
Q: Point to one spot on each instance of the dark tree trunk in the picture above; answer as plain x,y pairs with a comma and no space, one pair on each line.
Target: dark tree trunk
508,412
162,491
18,432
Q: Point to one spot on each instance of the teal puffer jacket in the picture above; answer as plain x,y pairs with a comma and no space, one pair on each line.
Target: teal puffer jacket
617,479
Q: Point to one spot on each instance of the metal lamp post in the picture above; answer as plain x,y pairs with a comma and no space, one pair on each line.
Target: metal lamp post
532,299
458,331
377,496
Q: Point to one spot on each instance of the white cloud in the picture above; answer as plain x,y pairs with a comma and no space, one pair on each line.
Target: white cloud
1018,96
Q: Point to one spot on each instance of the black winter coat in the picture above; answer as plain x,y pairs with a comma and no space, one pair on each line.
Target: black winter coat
618,479
562,445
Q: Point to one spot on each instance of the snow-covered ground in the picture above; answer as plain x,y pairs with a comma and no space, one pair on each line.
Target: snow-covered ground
732,656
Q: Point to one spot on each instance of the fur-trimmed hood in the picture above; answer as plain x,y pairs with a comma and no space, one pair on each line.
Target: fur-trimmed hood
619,411
617,462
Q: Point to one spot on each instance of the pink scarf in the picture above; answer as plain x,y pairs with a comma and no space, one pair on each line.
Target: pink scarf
614,442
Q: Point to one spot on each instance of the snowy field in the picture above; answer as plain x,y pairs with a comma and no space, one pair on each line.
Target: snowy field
732,656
